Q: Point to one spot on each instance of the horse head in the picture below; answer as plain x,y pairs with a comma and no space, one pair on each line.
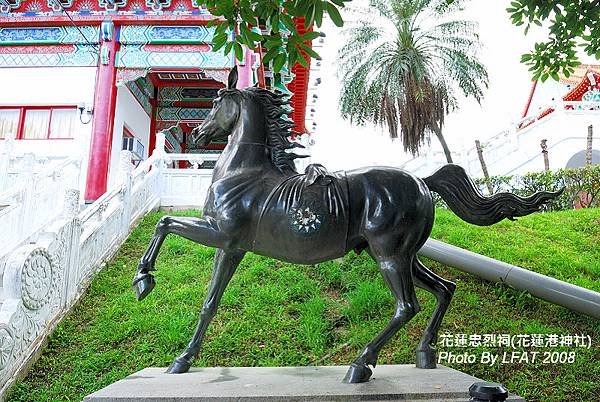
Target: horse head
224,115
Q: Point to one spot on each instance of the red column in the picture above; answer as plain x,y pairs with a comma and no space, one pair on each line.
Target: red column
105,100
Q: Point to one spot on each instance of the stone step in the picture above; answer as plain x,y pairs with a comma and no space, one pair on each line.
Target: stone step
324,383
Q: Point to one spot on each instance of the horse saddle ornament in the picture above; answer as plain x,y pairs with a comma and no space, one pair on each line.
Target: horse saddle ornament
302,207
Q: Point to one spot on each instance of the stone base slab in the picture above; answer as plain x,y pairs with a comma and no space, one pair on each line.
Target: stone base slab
389,383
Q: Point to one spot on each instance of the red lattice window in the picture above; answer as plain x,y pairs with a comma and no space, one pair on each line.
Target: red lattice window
39,122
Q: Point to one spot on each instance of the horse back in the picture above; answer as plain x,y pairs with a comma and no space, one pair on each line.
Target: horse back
388,202
305,218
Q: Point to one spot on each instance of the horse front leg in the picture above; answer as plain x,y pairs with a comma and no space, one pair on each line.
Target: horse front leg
226,262
200,230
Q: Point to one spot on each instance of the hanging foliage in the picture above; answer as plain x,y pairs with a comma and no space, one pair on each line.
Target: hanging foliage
286,46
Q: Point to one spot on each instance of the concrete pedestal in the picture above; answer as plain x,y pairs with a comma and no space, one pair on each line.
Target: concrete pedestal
390,383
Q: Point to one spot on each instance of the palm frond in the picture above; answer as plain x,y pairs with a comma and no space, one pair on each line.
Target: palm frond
403,71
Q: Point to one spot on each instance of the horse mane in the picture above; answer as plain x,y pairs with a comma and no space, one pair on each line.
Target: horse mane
275,106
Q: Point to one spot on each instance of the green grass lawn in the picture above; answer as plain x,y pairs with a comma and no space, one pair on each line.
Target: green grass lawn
278,314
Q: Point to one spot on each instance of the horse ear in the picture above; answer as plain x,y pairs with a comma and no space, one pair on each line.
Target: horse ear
232,79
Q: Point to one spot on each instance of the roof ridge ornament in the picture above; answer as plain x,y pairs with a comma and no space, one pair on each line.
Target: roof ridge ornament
112,5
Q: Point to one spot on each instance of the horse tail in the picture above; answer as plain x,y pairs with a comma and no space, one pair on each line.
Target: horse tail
455,187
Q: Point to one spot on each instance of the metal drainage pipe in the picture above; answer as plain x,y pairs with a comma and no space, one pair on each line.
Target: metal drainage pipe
564,294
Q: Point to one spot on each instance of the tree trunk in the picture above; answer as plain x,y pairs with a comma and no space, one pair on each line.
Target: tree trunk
486,175
438,133
545,154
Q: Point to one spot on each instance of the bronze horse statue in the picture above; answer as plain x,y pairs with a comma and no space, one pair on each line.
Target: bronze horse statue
258,202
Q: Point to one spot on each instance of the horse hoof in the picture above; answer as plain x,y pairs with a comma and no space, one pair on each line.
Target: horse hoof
179,366
357,373
143,284
425,359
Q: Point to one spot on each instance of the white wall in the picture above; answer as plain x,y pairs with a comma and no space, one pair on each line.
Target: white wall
47,85
41,86
129,113
71,86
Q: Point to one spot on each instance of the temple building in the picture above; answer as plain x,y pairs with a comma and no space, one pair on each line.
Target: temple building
558,121
88,78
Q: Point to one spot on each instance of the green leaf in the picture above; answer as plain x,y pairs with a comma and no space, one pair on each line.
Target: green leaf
525,57
302,61
310,16
310,35
275,23
288,23
310,51
334,14
255,36
270,55
228,47
279,62
319,13
219,41
292,58
221,28
290,7
239,52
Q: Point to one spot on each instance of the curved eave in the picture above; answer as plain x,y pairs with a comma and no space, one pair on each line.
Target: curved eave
574,95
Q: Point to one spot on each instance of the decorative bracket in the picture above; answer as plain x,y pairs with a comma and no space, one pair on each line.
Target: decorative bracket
107,31
104,55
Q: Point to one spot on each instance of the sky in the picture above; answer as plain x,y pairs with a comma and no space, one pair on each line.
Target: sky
339,145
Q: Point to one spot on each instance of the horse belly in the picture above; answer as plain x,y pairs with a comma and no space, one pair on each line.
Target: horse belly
303,235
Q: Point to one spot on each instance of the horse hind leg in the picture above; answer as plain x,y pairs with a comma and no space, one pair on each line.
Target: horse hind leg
443,290
396,272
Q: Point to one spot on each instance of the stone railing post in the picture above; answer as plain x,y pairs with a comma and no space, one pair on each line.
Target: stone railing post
126,168
5,155
70,212
160,152
30,184
160,143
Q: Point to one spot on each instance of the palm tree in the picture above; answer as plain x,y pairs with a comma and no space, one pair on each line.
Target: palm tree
403,63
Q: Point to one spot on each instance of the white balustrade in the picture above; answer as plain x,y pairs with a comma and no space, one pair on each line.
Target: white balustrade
562,123
50,250
32,202
186,187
